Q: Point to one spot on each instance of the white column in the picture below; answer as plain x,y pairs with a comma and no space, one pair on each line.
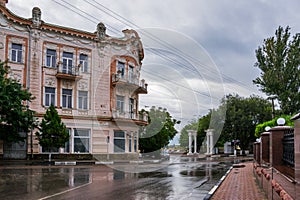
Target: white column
195,141
210,141
190,143
207,143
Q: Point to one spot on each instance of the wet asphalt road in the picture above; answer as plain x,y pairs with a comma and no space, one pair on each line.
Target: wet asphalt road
180,178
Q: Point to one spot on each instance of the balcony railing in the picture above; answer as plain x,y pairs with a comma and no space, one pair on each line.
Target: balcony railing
129,115
288,147
68,72
131,82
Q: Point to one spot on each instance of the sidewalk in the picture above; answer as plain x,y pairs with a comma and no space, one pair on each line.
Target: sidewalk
239,184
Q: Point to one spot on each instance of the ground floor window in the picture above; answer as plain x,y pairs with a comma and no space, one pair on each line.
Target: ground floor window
81,140
119,141
135,144
130,143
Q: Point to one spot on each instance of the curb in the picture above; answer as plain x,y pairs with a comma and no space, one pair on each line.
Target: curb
217,185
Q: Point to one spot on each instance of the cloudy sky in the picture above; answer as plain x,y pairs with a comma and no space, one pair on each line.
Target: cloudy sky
196,51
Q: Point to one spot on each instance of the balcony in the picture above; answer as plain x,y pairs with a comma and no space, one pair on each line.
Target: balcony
68,72
130,115
130,83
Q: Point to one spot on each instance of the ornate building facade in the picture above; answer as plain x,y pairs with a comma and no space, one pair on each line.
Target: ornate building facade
92,79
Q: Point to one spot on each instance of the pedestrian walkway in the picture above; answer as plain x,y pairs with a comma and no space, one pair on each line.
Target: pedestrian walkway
239,184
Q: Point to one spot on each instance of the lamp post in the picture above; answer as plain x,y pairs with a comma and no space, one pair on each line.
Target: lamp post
273,106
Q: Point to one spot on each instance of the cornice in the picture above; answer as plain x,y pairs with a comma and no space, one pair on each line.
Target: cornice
130,37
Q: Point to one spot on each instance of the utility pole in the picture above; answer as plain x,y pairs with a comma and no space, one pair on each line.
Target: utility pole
273,106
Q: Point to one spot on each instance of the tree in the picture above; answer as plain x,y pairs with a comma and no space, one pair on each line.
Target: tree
242,116
52,131
15,115
201,125
279,60
159,132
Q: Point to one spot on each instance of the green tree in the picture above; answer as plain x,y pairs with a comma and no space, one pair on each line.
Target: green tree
201,125
52,133
159,131
15,115
242,116
279,60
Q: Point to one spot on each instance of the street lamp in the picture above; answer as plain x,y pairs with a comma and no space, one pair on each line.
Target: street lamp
280,121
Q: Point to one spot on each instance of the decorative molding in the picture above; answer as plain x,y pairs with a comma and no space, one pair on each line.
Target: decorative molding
15,76
67,84
83,85
83,112
50,82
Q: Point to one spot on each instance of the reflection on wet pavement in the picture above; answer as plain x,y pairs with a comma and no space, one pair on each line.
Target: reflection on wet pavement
180,179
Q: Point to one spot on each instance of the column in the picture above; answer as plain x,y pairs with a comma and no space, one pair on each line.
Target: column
210,141
190,143
207,143
195,141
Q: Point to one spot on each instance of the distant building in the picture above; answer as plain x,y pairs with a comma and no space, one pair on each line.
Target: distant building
93,80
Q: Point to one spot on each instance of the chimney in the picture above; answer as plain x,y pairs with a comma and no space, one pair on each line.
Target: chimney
3,3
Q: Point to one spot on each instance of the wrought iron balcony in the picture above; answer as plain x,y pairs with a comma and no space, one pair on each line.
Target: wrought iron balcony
130,82
68,72
130,115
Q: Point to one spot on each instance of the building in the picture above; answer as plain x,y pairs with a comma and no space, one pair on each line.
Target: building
93,80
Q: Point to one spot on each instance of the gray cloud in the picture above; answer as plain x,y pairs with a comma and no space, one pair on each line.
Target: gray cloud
229,31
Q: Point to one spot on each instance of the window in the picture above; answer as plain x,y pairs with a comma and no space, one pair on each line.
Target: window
16,52
131,74
119,141
50,58
131,107
49,96
135,144
120,103
66,98
81,140
83,60
130,143
67,63
121,69
83,100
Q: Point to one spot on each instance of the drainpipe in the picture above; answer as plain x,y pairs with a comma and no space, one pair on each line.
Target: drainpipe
28,84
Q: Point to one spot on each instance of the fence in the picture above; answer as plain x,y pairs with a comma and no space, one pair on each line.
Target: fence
277,161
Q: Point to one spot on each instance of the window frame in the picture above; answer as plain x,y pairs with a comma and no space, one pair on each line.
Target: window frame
67,62
121,67
131,74
88,137
120,103
16,54
50,58
83,100
84,62
118,141
49,96
67,99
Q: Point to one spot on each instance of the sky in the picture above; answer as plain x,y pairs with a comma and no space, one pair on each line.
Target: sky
196,51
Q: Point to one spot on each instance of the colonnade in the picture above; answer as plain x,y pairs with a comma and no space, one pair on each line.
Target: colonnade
209,141
192,133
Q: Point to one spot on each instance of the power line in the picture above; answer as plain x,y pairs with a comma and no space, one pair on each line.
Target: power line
125,21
